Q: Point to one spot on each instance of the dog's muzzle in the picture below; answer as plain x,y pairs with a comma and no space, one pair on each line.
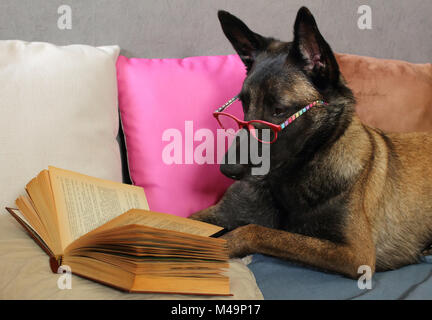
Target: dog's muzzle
233,171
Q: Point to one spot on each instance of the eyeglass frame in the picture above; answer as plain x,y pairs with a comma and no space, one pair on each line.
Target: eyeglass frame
274,127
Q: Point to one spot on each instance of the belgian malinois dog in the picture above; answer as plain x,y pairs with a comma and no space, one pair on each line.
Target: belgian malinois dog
339,194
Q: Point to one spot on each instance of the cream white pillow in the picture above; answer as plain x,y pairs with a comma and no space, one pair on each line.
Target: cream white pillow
58,106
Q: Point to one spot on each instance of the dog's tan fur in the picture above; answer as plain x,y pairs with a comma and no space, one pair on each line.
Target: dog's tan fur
390,216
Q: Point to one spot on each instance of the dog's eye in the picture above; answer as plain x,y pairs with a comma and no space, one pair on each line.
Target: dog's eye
278,112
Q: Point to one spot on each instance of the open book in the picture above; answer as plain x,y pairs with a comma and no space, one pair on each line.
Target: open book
104,231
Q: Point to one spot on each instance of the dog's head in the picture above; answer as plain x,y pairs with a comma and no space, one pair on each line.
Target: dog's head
282,78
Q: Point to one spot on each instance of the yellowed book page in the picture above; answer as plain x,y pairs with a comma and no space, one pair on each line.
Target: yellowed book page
40,240
84,203
114,276
153,220
163,221
20,215
216,285
44,182
41,198
27,210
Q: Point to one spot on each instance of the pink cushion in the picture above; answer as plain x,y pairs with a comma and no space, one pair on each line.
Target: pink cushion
160,94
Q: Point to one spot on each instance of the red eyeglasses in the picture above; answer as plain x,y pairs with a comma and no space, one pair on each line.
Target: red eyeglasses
263,131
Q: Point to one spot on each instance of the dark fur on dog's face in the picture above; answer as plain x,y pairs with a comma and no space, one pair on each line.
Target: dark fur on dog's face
282,78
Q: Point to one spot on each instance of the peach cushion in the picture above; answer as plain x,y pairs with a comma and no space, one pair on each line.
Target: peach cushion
392,95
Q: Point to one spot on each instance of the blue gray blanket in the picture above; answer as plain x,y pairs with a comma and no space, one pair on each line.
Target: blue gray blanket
280,279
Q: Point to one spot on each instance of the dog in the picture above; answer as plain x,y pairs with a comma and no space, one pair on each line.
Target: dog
339,194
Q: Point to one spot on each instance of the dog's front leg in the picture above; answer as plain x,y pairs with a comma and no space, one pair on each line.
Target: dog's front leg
323,254
209,215
244,202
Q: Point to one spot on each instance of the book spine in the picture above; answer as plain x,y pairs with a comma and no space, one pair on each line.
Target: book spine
55,263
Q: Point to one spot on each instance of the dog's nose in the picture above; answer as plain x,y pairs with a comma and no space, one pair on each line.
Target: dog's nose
233,171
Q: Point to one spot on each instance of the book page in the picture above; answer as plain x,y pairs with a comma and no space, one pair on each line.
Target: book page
17,214
23,219
84,203
151,219
41,198
162,221
32,219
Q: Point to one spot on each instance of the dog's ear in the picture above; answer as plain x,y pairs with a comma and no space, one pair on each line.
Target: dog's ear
313,52
246,42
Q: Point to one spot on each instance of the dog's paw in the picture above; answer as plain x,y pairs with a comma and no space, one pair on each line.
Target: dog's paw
240,241
427,251
197,216
206,215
